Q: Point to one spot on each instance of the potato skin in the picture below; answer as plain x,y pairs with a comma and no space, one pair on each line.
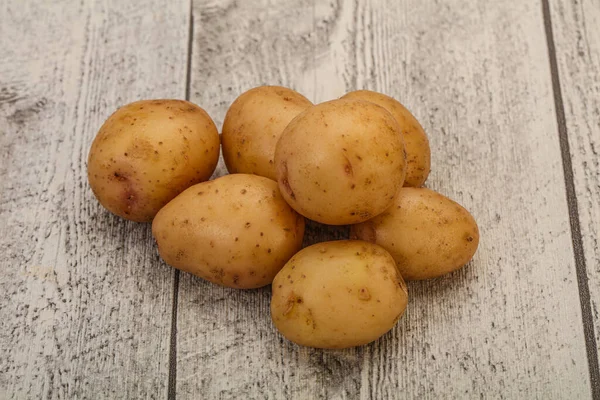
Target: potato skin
253,125
235,231
148,152
341,162
428,234
418,152
338,294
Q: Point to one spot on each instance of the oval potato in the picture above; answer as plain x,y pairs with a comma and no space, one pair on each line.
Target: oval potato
338,294
253,125
341,162
235,231
148,152
418,153
428,234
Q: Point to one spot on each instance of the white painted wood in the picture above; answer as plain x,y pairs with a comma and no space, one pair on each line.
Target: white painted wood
476,74
577,38
85,306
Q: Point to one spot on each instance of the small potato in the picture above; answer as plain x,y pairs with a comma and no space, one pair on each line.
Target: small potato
235,231
338,294
341,162
428,234
148,152
418,153
253,125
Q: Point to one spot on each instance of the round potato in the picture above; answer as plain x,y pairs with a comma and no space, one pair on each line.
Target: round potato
418,153
148,152
428,234
341,162
254,124
235,231
338,294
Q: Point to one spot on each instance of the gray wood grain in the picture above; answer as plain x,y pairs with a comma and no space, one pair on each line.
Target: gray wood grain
85,303
476,74
577,38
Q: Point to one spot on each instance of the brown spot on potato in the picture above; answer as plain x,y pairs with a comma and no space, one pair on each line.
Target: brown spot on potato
243,191
119,177
363,294
247,225
348,169
290,305
285,182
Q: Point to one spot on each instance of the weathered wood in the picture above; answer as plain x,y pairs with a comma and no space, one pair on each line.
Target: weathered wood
476,74
576,28
86,305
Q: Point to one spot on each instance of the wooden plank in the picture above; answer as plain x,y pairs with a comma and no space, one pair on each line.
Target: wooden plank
476,73
576,34
86,304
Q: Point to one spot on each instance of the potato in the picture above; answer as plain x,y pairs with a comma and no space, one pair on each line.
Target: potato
428,234
148,152
338,294
341,162
253,125
235,231
418,153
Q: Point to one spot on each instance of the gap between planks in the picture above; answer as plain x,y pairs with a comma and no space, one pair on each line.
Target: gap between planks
580,263
172,384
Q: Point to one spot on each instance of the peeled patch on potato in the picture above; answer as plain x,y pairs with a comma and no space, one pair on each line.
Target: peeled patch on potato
253,125
235,231
148,152
428,234
418,153
338,294
341,162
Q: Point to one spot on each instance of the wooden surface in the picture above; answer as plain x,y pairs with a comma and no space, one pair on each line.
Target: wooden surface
85,302
578,54
509,95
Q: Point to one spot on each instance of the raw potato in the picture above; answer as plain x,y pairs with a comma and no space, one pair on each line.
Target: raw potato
254,124
428,234
338,294
418,153
236,231
341,162
148,152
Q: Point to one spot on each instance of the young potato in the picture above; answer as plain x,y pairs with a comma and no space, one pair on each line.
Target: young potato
148,152
428,234
418,153
253,125
235,231
341,162
338,294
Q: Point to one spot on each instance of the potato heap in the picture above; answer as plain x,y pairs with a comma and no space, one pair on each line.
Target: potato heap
359,160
